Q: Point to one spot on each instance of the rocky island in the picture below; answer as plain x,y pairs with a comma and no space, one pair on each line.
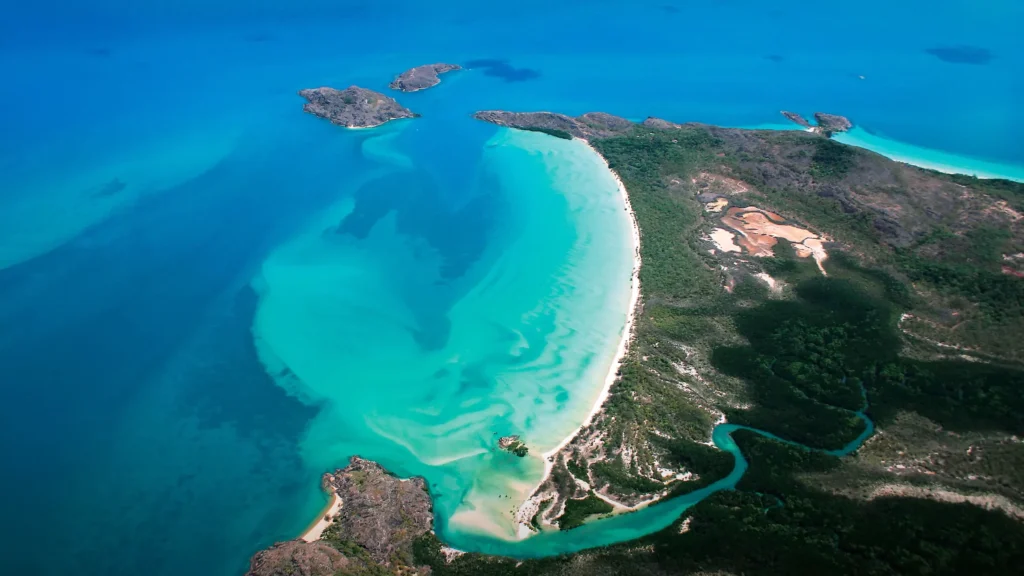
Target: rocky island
827,124
374,531
422,77
353,107
514,445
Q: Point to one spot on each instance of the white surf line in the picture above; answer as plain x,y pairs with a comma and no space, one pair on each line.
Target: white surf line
627,333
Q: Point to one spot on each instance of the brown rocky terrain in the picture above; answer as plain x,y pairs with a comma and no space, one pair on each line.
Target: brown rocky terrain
353,107
421,77
827,124
380,517
589,125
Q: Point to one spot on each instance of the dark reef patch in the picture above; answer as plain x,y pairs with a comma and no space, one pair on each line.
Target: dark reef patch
110,188
962,54
500,68
775,58
669,9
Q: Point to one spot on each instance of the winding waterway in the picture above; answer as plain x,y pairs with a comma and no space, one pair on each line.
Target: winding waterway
652,518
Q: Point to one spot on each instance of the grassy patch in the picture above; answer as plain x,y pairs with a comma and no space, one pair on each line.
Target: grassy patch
576,511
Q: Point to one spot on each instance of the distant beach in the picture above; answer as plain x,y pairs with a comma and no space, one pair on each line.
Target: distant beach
947,162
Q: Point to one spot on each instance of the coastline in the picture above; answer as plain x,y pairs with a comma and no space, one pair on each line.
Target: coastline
930,159
315,530
627,332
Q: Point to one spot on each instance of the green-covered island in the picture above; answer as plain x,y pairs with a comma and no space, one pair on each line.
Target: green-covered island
808,290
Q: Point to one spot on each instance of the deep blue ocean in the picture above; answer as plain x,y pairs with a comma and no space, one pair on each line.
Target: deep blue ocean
154,155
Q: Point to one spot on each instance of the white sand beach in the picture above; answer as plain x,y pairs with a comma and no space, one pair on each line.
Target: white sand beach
627,332
316,530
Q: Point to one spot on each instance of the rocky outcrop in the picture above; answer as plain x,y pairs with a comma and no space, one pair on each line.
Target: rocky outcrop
793,116
299,558
380,518
658,123
381,513
589,125
829,124
421,77
353,107
514,445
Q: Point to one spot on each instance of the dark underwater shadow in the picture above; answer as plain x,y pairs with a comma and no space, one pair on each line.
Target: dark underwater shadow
962,54
500,68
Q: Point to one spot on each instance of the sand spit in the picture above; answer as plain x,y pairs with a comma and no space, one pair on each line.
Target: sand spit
325,519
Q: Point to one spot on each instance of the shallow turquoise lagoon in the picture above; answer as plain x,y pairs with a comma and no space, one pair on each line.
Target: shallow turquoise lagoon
420,358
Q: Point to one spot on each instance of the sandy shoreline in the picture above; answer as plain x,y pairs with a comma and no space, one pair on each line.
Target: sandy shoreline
316,529
627,332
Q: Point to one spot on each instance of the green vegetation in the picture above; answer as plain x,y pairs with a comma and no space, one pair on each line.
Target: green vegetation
576,511
831,159
360,561
579,468
518,448
805,361
614,472
1008,190
708,463
514,445
535,521
551,132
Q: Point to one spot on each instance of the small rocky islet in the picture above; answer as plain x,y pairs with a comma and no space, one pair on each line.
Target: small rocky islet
357,107
353,107
513,445
422,77
827,124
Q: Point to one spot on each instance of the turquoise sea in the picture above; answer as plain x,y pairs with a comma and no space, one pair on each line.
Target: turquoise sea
208,298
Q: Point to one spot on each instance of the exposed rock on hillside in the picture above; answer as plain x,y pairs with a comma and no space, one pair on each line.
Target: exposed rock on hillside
797,118
380,513
829,124
589,125
421,77
652,122
353,107
298,557
380,518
